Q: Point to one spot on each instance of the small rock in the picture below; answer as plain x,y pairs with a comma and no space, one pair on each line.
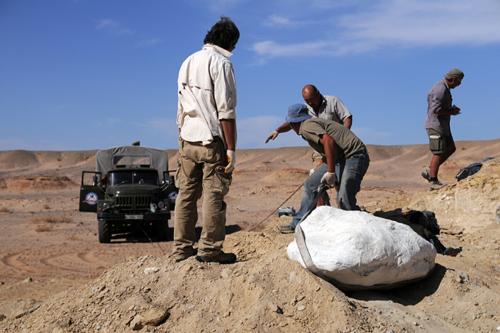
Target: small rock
151,270
462,278
2,316
28,280
186,268
498,328
66,322
137,323
415,323
301,307
275,308
154,317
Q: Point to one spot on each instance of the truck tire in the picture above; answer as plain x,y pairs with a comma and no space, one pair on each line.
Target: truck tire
160,231
104,231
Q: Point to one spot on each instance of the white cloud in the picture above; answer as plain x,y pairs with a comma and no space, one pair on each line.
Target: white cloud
271,49
426,22
113,27
277,21
398,23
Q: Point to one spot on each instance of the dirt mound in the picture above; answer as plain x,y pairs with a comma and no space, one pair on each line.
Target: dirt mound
475,198
263,292
18,159
21,183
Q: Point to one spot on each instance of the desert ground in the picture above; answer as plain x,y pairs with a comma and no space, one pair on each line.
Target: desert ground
56,277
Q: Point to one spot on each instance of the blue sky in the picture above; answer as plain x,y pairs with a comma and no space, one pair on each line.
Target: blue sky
86,74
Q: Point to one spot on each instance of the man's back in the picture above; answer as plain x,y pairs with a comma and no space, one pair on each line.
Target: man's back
207,92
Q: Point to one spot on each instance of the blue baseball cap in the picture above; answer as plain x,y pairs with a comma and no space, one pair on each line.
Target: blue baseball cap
297,113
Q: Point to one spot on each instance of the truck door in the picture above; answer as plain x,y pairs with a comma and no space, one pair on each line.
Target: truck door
90,191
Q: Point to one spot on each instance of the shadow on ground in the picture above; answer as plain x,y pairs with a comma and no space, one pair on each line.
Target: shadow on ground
410,294
142,236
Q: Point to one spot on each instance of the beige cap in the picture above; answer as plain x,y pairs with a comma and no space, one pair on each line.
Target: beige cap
455,73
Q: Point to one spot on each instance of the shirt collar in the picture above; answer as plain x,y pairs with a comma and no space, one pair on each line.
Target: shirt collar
446,84
218,49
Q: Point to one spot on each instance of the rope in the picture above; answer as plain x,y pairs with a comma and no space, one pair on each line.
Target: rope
151,240
274,210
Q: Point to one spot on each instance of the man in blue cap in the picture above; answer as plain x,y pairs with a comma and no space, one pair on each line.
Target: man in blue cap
331,140
324,107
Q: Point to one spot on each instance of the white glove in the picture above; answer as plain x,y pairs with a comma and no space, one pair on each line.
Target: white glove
272,136
329,179
231,161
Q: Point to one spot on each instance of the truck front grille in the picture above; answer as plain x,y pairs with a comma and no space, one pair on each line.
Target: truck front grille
133,202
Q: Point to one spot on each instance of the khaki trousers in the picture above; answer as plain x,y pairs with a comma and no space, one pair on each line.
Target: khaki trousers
200,173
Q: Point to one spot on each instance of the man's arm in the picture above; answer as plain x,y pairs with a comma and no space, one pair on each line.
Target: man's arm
329,148
329,178
285,127
347,122
451,112
229,129
436,105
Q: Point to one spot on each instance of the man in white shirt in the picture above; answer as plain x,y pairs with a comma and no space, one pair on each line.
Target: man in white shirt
206,120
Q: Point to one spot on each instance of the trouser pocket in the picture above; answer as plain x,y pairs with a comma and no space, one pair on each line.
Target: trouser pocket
436,143
221,180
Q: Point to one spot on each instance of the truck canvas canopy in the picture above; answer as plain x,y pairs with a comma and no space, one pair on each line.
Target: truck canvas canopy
131,156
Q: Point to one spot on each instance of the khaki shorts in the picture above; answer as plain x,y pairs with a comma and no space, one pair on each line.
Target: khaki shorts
439,144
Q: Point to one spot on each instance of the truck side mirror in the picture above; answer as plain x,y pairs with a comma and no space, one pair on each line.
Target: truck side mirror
95,180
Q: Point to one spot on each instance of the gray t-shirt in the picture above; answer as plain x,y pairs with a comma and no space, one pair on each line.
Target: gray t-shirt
348,143
331,108
438,100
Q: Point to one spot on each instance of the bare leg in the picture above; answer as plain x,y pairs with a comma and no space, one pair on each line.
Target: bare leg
437,160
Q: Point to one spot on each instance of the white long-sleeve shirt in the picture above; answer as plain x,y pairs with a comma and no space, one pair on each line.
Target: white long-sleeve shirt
206,94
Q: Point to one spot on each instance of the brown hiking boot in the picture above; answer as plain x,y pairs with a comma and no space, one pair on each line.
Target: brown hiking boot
221,258
436,185
425,174
183,255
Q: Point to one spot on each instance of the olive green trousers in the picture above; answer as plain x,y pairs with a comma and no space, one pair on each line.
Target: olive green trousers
200,174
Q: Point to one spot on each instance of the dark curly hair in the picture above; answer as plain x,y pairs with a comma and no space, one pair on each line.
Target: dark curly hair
224,33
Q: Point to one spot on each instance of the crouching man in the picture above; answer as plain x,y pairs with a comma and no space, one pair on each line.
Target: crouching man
331,139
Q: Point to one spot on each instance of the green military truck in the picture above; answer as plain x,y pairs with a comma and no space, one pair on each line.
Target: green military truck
130,189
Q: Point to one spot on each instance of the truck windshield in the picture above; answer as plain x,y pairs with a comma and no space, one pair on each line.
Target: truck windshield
133,177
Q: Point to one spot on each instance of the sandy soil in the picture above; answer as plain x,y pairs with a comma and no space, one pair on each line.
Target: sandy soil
55,276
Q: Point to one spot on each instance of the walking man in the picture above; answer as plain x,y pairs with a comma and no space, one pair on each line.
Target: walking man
324,107
206,120
439,111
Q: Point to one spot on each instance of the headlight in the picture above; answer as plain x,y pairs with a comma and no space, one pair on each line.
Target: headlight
152,207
